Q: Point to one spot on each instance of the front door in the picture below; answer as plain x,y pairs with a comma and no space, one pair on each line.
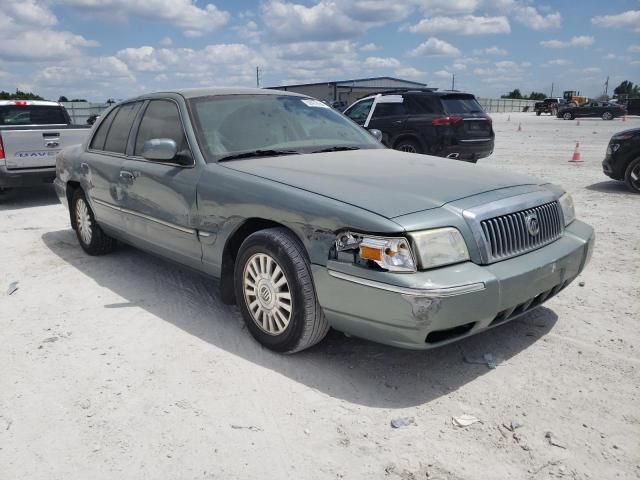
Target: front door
161,196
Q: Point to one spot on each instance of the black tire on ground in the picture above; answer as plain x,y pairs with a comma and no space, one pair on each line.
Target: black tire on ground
567,116
538,112
632,176
92,238
607,116
408,145
275,292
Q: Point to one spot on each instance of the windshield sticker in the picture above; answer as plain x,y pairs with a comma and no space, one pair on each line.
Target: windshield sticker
309,102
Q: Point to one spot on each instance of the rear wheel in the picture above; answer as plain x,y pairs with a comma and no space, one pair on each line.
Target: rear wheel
567,116
275,292
607,116
408,145
91,237
632,176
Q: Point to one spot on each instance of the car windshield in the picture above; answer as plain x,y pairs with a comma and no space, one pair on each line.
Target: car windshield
461,104
242,126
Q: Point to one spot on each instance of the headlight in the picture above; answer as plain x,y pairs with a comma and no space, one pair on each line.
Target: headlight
441,246
392,254
568,211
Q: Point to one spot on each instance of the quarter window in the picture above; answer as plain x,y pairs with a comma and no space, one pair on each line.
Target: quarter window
97,142
389,110
161,120
119,132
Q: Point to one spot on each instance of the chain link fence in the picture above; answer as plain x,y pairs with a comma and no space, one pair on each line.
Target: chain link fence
81,111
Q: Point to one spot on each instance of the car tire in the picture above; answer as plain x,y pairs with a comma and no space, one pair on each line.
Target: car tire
632,176
408,145
275,292
92,238
607,116
567,116
538,113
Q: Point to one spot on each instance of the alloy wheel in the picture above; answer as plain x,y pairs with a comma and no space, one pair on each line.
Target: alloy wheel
634,177
267,294
408,148
83,221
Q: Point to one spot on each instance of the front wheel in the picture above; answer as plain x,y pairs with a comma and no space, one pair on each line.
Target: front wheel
607,116
92,238
408,145
632,176
568,116
275,292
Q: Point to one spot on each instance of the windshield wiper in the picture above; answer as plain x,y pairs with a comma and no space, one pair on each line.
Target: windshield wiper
259,153
336,149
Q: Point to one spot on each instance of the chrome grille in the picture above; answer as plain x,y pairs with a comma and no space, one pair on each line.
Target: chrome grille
512,234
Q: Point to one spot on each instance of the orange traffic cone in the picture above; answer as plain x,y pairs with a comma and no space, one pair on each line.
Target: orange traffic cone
520,126
576,154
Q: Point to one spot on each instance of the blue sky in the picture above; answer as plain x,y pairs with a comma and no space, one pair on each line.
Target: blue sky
97,49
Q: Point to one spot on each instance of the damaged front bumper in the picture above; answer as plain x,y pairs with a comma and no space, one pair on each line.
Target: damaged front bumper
434,307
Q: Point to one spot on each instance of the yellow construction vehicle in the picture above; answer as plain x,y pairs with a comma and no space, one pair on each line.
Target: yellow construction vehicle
573,98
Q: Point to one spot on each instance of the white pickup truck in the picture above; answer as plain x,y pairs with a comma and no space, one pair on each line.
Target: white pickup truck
31,134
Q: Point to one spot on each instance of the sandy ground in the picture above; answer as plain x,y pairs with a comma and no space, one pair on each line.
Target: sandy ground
128,367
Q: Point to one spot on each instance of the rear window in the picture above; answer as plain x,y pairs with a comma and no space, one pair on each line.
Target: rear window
32,115
461,104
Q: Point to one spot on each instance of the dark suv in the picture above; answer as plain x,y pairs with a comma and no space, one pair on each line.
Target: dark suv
446,123
622,160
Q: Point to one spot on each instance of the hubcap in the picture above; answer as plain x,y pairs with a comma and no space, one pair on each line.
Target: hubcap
267,294
408,148
635,177
606,115
83,221
567,116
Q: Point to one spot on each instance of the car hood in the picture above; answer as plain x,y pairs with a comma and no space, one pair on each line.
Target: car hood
387,182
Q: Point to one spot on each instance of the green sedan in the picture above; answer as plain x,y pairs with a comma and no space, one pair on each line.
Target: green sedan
309,222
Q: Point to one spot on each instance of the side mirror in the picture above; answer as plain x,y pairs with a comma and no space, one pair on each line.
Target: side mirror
377,134
159,149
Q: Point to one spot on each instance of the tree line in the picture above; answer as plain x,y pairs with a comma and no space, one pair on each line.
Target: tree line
625,90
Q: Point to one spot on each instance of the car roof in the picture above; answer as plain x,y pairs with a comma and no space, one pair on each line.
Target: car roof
213,91
439,93
38,103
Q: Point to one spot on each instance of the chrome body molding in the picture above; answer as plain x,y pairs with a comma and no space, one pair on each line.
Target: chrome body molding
435,292
189,231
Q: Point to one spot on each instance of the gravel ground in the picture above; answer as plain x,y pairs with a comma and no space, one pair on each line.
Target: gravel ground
126,366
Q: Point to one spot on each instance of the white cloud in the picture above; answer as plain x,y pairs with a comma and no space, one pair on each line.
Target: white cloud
459,66
369,47
434,47
166,42
629,19
442,74
42,45
591,70
490,51
409,72
29,12
465,25
580,41
186,14
380,62
530,17
449,6
633,48
558,62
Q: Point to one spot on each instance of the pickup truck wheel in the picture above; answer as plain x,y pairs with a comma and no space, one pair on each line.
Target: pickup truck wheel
408,145
632,176
568,116
607,116
91,237
276,294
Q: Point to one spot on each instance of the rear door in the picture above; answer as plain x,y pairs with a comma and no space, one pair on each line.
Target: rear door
359,111
389,116
160,201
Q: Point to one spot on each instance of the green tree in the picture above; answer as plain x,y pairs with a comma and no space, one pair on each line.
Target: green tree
77,100
62,98
537,96
513,94
627,88
19,95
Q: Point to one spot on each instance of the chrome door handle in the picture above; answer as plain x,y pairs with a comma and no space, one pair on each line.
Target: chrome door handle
84,166
126,175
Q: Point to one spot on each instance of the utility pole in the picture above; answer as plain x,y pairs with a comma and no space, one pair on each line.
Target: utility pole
453,81
551,96
257,77
606,86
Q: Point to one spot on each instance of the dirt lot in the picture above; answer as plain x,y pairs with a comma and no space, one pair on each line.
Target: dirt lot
126,366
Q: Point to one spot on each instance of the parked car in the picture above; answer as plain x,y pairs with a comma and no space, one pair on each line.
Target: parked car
31,134
92,118
622,160
604,110
549,105
446,124
339,105
632,106
309,222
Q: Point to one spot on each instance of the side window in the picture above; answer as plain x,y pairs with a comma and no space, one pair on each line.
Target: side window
360,111
423,105
383,110
121,126
161,119
97,142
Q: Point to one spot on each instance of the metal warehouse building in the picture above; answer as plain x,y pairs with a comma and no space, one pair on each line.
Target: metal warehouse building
349,90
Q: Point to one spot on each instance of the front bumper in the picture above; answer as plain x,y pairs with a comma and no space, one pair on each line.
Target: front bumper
431,308
25,178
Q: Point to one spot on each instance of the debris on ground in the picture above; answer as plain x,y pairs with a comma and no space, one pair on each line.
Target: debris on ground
13,286
552,440
581,284
50,340
465,420
487,359
249,427
403,422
